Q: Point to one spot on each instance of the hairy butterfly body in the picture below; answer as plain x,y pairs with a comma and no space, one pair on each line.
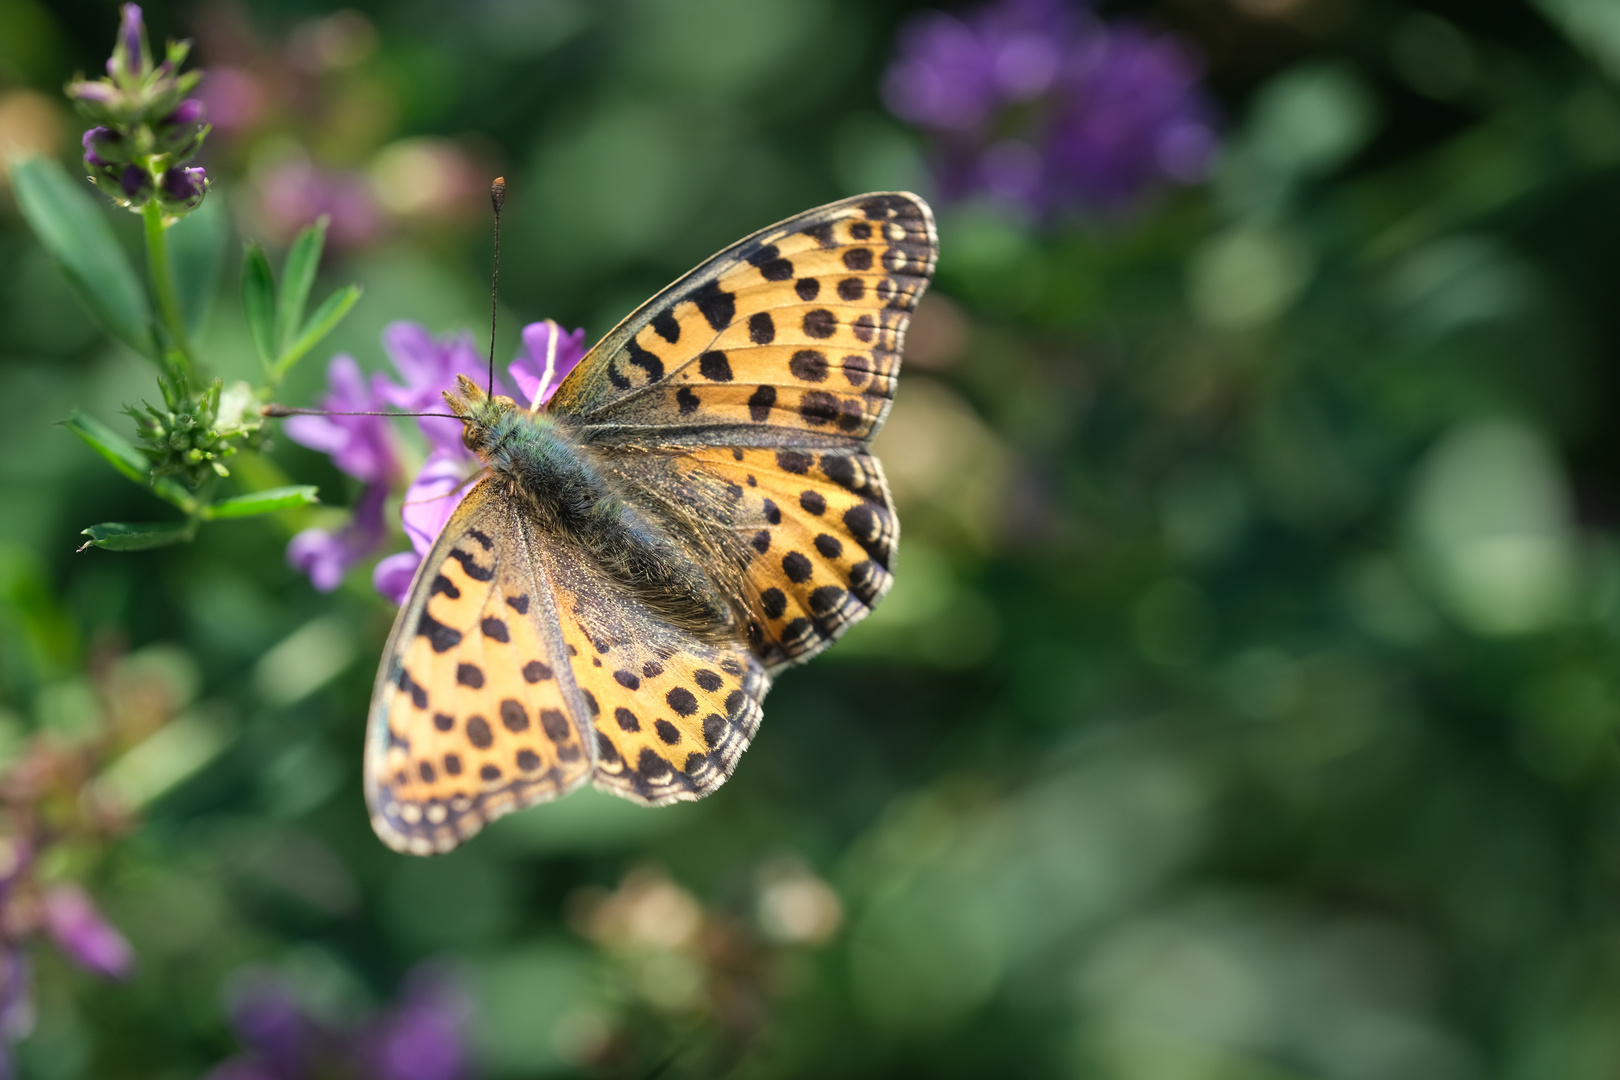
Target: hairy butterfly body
695,509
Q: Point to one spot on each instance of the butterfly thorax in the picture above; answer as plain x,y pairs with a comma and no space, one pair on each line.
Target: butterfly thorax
567,488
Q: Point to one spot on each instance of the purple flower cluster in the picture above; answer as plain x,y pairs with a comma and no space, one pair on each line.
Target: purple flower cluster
366,447
146,127
1043,104
418,1039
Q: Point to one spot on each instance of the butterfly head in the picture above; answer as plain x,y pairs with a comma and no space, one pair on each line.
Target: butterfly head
480,413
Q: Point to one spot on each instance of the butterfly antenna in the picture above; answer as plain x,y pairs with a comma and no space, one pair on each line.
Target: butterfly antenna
497,199
273,410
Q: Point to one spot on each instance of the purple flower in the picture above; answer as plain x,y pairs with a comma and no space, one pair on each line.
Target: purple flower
361,446
427,366
79,930
430,500
326,556
550,356
1040,103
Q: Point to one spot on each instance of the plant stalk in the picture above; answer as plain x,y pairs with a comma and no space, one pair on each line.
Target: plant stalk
168,302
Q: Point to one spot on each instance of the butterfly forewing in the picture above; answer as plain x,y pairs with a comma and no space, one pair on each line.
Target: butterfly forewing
789,337
472,715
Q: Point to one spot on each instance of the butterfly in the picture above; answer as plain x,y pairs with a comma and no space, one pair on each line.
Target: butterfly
695,509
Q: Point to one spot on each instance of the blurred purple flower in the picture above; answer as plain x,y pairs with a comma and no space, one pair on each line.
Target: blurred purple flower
418,1039
79,930
1041,103
234,98
296,193
421,1039
16,997
326,556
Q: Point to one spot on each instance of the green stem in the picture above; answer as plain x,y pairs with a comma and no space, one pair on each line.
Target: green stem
168,303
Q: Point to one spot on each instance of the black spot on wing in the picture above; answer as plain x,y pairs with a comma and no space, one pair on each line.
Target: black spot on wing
667,326
760,403
823,234
687,401
761,328
443,638
645,360
809,365
820,323
470,565
714,366
718,306
770,263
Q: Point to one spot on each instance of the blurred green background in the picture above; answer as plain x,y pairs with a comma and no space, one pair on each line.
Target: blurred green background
1246,706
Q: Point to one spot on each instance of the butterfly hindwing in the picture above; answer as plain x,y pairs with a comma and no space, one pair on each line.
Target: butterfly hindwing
791,336
472,713
803,540
672,712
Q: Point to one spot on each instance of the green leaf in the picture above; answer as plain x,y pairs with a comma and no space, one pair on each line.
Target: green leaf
259,302
297,276
325,319
73,228
126,459
196,249
118,536
263,502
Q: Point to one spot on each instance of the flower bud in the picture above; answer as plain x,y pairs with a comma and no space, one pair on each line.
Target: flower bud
130,58
103,147
180,133
135,182
184,187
